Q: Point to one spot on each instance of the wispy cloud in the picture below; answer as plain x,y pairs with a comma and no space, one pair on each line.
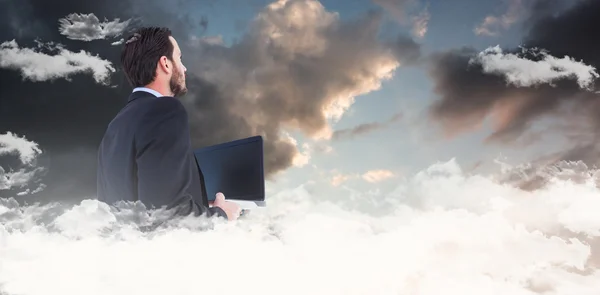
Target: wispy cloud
119,42
397,8
87,27
405,13
421,23
371,176
338,179
302,157
28,191
364,128
374,176
36,65
491,25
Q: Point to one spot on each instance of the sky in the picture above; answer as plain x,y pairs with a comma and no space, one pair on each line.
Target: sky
349,95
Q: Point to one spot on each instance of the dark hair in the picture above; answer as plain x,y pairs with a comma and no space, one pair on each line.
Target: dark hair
141,53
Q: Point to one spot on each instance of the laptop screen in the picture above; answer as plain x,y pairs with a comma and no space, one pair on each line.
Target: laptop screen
234,168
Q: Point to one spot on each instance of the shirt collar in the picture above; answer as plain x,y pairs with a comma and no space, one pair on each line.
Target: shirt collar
152,91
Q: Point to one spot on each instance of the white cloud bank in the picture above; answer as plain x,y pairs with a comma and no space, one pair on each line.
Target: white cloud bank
443,232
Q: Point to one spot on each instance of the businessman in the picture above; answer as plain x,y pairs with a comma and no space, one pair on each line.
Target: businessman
146,151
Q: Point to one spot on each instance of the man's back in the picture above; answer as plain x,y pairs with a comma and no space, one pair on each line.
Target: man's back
146,155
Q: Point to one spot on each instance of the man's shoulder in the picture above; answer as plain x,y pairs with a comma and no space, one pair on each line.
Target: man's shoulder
164,104
153,108
143,112
164,113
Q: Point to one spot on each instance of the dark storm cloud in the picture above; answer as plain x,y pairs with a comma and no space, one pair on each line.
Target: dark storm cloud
295,67
468,95
263,84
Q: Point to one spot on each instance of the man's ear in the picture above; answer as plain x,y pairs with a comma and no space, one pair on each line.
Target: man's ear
163,64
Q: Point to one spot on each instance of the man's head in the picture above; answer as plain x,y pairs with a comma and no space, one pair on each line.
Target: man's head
152,57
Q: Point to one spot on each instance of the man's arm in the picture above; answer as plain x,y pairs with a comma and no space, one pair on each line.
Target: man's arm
163,159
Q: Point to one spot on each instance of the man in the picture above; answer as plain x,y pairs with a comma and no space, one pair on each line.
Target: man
146,152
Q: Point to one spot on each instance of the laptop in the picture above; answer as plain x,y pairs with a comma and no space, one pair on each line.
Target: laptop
236,169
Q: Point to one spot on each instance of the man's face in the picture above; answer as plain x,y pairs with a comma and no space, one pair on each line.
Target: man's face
177,82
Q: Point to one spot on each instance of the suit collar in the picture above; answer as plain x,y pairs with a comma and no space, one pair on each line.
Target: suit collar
138,94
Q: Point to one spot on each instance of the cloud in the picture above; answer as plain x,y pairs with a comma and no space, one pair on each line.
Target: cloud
87,27
491,25
338,179
27,152
17,179
38,66
118,42
364,128
297,69
374,176
28,191
12,144
524,72
469,96
442,231
472,86
421,23
300,159
404,12
397,8
322,147
371,176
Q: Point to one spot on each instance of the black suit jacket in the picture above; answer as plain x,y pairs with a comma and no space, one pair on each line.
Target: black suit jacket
146,155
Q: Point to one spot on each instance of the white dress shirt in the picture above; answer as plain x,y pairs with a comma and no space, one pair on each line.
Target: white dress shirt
152,91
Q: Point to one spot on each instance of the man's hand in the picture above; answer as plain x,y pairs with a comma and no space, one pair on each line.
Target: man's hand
232,210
